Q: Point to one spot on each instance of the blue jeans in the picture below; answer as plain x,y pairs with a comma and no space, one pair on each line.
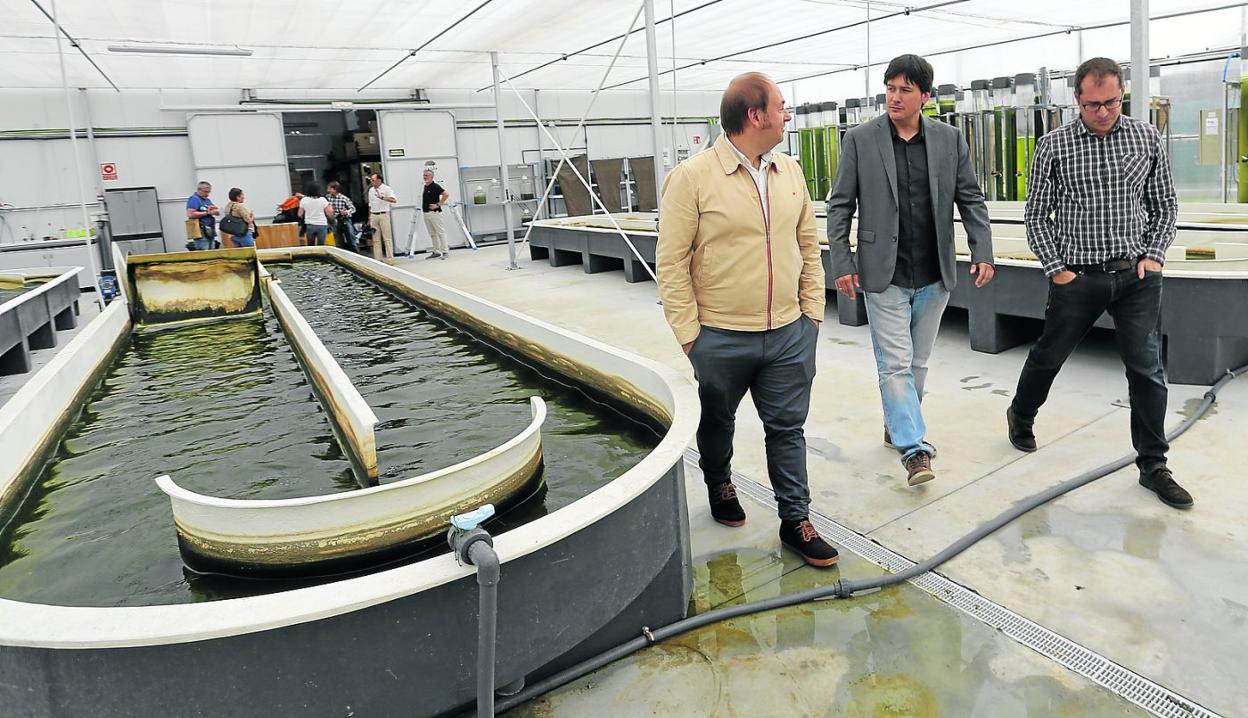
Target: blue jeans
317,233
904,323
247,240
203,244
777,367
1135,306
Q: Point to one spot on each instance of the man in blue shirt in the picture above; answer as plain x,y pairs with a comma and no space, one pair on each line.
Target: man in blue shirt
200,207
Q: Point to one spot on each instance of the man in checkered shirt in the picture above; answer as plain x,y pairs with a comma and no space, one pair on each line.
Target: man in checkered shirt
1100,214
344,228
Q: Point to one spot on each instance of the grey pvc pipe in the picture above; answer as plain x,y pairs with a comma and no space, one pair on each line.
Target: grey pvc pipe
846,589
482,555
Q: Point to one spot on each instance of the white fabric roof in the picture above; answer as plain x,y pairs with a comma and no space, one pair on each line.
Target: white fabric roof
317,44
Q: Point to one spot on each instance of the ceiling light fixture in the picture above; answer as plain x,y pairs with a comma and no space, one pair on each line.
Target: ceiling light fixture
181,50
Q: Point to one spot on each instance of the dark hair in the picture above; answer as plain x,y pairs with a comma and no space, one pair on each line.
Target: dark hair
918,71
313,190
335,186
235,193
746,92
1098,68
378,176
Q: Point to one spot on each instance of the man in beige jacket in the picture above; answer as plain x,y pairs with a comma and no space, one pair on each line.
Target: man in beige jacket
741,280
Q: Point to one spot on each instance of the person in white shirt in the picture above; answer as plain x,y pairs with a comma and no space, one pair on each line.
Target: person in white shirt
315,211
380,200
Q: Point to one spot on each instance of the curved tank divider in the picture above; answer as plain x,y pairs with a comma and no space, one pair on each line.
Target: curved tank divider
495,323
354,423
396,641
334,532
176,289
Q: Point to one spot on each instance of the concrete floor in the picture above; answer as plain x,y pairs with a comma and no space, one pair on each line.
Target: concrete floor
88,309
1162,592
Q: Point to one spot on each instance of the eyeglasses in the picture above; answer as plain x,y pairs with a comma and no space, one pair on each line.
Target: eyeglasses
1096,106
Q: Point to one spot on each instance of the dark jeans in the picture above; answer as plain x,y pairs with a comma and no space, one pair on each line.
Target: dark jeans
344,234
777,367
1135,306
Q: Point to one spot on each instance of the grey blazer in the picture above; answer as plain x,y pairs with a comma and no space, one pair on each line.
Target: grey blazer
866,180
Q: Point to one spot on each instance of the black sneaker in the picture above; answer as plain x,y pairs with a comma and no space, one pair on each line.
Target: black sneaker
802,537
725,507
1020,432
1161,482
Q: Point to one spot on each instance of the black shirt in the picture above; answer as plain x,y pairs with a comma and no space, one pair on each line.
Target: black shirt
433,191
918,260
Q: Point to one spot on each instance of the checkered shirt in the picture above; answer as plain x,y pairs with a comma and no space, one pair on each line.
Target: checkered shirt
340,203
1092,199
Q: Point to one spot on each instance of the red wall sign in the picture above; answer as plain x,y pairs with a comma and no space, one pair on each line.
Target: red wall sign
108,171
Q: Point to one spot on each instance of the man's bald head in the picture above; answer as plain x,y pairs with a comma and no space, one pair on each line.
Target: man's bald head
750,91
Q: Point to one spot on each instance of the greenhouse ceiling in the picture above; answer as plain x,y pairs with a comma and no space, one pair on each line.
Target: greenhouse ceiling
546,44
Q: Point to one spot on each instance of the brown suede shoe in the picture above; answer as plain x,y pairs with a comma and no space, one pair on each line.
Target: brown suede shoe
919,468
802,537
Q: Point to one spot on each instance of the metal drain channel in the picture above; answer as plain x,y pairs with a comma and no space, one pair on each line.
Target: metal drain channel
1118,679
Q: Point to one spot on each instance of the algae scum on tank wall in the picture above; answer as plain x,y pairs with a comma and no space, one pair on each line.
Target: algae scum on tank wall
226,410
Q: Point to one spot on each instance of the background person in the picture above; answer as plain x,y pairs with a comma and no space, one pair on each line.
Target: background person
432,200
315,211
199,206
380,199
236,208
343,208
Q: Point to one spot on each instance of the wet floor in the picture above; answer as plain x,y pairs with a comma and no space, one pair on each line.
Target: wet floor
897,652
226,410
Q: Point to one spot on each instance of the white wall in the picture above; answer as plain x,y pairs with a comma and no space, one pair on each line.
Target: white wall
38,177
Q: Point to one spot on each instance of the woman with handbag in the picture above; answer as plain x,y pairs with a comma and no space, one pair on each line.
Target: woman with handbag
238,221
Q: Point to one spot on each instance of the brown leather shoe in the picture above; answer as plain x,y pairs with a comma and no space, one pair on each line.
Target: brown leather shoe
919,468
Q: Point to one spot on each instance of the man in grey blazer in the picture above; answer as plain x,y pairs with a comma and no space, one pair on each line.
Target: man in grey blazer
903,172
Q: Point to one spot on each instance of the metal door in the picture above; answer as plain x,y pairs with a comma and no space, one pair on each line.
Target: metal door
244,150
412,140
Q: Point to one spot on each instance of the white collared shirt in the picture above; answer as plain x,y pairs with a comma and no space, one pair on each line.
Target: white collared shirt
377,196
759,175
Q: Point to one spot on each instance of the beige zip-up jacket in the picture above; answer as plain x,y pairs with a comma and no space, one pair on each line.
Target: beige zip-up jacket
720,262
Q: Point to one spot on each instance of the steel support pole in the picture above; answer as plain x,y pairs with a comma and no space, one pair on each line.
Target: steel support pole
73,138
656,113
502,166
1139,60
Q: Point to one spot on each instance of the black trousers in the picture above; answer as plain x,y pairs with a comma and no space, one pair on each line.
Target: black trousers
777,367
1135,306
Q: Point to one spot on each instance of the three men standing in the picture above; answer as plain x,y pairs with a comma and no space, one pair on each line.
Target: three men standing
1100,214
904,173
742,286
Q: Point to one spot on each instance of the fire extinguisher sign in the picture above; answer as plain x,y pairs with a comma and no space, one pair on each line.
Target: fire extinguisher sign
108,171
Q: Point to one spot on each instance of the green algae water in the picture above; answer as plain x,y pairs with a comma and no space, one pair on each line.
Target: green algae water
441,396
226,411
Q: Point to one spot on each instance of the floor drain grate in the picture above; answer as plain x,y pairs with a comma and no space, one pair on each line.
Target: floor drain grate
1118,679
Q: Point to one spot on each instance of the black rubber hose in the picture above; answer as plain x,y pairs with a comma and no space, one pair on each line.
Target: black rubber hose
846,589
